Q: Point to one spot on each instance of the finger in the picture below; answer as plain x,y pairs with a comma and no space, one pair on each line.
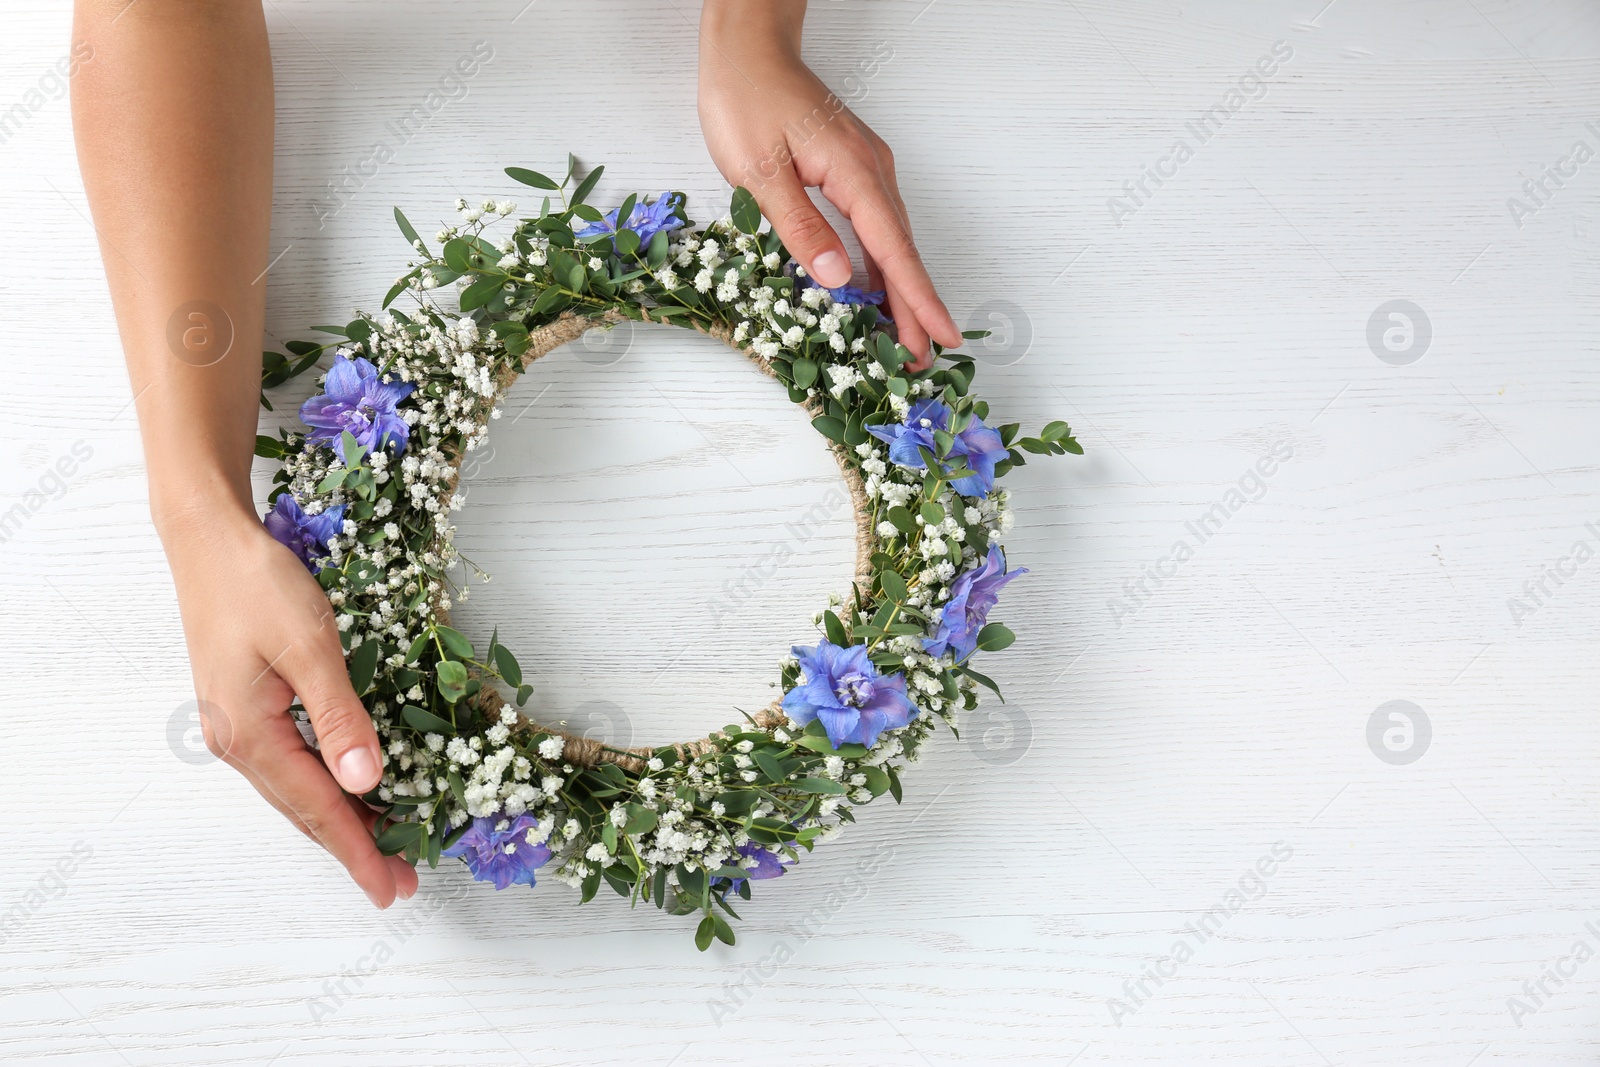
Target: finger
314,666
405,875
279,759
912,335
909,331
891,184
272,798
803,230
874,214
874,275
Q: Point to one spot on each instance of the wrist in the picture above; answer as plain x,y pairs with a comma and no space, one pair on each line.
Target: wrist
738,26
200,508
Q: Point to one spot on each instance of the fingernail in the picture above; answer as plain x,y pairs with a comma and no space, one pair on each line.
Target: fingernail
374,898
405,894
831,269
357,768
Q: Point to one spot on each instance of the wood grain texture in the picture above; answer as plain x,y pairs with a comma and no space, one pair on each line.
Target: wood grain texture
1147,760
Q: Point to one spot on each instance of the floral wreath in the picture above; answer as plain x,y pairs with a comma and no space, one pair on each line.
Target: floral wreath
365,495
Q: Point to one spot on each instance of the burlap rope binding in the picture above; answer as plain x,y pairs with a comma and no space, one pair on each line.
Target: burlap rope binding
587,751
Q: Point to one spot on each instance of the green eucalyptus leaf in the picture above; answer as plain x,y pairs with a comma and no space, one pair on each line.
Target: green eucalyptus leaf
641,820
818,742
397,837
994,637
452,680
530,177
625,211
399,287
805,372
820,785
426,721
586,186
406,228
454,642
746,213
547,301
769,766
481,292
828,426
657,253
506,664
458,255
363,665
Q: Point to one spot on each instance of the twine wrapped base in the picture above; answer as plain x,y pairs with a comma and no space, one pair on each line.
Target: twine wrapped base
587,751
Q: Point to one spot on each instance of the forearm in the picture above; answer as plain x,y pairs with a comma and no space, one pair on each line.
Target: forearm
173,123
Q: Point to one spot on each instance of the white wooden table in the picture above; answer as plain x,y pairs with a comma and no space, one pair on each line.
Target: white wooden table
1077,879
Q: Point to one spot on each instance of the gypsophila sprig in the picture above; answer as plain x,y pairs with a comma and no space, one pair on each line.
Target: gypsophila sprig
365,498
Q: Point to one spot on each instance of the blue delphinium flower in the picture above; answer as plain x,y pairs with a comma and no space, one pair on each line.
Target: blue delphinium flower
848,294
759,862
978,446
356,399
646,219
304,535
844,689
503,857
972,595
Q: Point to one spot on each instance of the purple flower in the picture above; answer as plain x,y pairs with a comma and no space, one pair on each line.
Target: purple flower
849,294
972,595
844,689
503,857
845,294
354,398
304,535
761,863
977,445
646,219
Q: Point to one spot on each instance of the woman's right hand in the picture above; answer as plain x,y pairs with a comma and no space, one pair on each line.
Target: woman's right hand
260,631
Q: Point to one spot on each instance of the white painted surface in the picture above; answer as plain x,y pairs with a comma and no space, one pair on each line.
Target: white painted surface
1008,904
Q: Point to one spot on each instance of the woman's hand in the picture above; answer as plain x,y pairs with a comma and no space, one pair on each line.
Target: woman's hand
174,128
774,128
260,631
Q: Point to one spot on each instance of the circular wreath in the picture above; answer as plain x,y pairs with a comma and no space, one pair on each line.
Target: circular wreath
365,495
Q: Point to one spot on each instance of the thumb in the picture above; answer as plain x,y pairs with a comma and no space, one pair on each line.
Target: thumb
803,230
316,670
